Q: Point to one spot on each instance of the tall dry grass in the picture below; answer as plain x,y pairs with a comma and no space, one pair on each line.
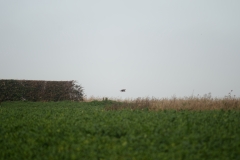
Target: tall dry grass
94,98
205,102
190,103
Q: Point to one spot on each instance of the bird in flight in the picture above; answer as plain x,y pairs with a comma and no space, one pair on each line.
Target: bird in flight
123,90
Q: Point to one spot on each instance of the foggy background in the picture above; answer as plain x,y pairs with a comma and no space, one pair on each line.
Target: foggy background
156,48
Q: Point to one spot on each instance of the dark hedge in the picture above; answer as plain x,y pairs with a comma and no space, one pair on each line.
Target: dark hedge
32,90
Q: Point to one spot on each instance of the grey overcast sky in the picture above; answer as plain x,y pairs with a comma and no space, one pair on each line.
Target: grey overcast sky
156,48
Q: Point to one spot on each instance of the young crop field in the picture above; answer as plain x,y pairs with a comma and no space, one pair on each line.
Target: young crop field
99,130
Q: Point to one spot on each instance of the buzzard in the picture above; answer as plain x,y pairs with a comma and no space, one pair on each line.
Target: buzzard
123,90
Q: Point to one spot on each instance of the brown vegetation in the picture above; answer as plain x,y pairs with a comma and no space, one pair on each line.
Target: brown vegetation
205,102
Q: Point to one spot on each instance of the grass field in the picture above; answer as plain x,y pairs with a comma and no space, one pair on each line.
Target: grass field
99,130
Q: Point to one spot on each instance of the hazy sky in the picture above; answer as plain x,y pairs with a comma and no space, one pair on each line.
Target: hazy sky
156,48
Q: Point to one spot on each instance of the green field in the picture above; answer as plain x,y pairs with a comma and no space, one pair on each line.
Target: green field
86,130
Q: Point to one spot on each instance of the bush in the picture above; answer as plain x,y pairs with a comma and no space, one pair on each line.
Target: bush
17,90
